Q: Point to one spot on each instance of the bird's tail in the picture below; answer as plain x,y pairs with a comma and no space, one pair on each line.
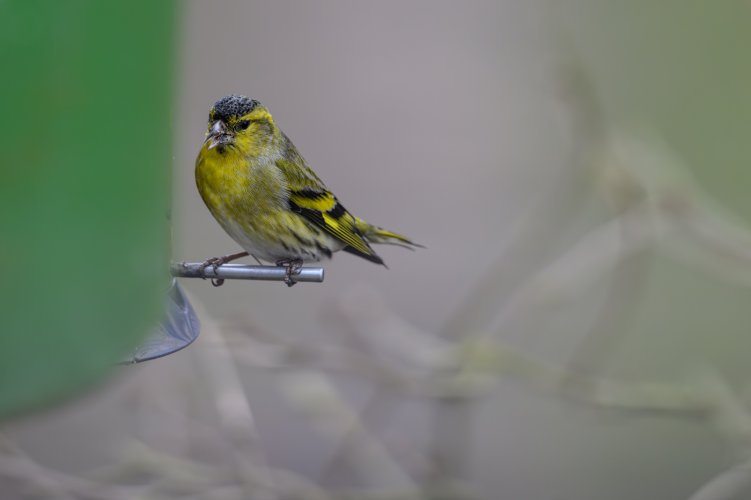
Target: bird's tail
375,234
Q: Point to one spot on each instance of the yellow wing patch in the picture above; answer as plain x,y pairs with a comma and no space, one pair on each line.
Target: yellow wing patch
324,210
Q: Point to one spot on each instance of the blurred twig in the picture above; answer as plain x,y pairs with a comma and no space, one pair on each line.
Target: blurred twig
728,485
32,476
233,409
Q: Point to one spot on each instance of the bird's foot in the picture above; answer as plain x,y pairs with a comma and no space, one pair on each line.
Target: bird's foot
215,262
293,267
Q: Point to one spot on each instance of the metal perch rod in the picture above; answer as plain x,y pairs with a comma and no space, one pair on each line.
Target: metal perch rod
243,272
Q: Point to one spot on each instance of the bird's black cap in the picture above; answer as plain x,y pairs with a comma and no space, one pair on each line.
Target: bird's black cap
233,105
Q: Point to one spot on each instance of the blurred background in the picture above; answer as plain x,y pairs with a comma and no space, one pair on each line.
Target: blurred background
575,329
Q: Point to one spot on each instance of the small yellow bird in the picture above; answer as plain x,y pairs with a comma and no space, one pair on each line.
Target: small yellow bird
267,198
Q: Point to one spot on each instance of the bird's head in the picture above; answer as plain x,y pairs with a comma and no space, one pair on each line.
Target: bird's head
236,121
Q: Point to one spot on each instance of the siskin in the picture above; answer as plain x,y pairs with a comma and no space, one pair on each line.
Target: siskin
263,193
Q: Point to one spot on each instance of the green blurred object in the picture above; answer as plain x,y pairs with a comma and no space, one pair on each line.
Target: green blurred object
86,151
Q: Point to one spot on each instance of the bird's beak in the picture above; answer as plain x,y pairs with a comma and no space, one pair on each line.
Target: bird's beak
218,134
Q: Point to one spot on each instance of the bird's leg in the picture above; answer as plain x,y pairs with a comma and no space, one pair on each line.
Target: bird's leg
293,267
215,262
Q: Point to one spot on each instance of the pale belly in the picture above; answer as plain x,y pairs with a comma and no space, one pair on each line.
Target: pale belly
273,239
276,249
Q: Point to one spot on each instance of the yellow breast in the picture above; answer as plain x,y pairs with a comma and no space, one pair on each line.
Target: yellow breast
237,188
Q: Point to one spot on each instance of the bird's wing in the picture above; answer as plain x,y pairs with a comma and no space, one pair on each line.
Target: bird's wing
310,198
323,209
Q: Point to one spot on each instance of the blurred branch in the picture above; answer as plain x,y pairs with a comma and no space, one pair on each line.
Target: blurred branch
233,409
567,192
733,419
728,485
19,467
368,416
314,395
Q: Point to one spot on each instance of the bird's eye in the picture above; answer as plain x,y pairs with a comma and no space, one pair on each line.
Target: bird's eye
243,124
